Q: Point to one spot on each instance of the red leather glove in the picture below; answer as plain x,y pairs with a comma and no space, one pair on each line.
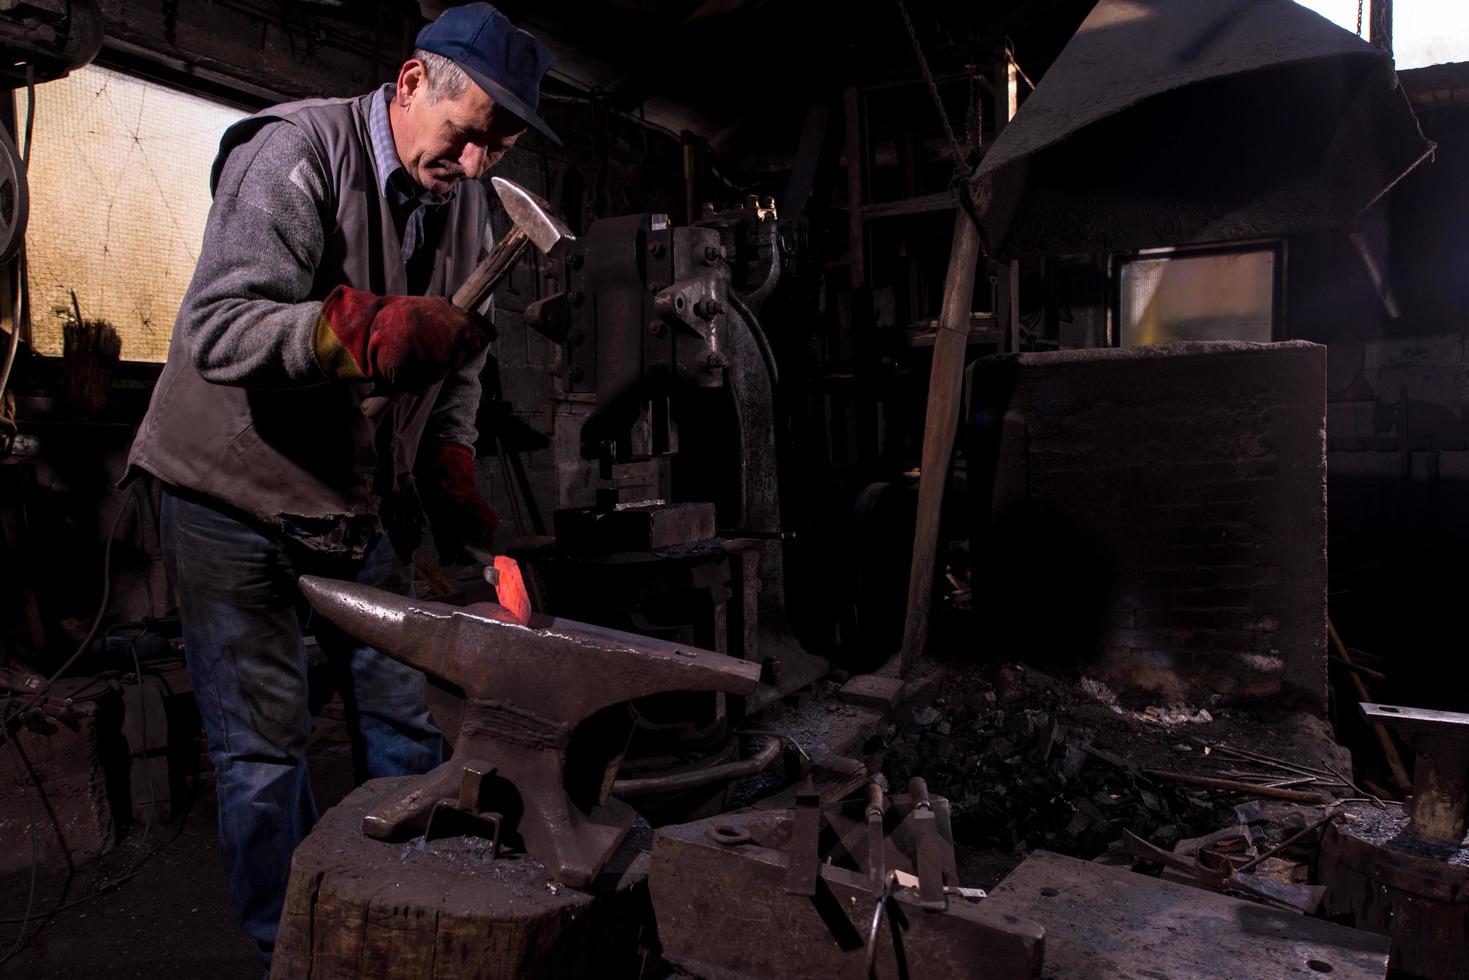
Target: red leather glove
407,342
457,514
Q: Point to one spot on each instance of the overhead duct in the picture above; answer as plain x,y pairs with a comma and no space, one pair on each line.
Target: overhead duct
1169,122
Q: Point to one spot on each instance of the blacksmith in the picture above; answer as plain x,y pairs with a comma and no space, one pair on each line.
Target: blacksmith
319,397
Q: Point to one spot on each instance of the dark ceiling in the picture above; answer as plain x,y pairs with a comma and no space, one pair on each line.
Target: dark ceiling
722,68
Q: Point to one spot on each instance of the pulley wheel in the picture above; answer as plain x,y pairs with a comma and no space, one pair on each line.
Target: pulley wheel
15,199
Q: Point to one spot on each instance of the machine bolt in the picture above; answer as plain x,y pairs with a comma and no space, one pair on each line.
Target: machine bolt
713,253
708,308
656,249
577,336
574,260
575,374
657,328
575,297
715,361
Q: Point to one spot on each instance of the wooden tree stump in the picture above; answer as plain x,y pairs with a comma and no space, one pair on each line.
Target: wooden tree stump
358,907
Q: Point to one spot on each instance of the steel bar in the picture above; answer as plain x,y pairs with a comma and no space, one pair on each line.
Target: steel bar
1236,786
632,788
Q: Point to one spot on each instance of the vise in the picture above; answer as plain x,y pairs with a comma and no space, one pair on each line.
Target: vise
540,727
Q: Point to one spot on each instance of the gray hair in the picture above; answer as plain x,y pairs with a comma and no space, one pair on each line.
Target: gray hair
446,80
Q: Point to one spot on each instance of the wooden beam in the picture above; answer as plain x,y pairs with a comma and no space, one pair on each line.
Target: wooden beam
803,167
940,201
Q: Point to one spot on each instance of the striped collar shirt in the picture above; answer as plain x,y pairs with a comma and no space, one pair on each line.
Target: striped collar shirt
411,204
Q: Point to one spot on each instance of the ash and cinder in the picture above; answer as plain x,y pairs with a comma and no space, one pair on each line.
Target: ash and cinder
1032,761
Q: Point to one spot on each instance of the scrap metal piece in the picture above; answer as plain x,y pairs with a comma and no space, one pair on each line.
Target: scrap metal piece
805,847
525,690
930,847
1439,809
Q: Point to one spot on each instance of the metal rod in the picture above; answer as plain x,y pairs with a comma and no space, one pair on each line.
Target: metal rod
1287,842
627,789
1236,786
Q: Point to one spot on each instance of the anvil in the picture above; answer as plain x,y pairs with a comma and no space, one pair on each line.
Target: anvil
541,708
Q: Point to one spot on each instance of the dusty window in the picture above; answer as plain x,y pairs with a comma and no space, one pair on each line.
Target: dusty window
1167,295
119,182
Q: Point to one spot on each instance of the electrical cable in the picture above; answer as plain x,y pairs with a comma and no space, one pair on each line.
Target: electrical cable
756,331
108,886
20,263
25,921
40,692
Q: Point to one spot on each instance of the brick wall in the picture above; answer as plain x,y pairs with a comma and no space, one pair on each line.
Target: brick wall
1157,513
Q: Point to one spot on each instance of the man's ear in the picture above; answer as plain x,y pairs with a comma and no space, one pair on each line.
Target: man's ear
412,81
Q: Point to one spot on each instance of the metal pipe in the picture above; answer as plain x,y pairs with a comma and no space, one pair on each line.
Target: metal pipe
627,789
763,342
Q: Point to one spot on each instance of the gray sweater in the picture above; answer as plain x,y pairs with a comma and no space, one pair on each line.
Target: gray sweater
246,317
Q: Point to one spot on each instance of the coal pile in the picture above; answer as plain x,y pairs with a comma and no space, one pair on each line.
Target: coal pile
1019,778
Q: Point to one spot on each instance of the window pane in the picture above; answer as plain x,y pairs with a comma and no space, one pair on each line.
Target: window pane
1429,32
1342,13
1201,297
119,181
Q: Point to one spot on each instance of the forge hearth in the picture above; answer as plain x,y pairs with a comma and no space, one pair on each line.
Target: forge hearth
1158,510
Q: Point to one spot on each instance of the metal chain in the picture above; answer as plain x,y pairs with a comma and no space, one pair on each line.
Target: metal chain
961,164
1360,4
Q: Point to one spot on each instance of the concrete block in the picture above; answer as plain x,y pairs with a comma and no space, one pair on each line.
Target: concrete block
65,780
873,690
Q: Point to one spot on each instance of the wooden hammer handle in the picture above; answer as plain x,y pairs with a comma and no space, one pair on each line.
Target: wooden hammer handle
488,275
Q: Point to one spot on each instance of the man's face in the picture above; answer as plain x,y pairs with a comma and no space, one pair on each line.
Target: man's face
441,143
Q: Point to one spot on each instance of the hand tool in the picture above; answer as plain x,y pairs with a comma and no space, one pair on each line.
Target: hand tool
876,806
930,847
533,223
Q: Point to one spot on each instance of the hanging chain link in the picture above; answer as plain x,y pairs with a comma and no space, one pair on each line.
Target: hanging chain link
1360,4
961,163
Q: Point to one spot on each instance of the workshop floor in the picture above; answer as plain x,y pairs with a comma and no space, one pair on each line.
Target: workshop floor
171,920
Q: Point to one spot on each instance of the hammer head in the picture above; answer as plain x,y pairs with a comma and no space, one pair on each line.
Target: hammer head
533,216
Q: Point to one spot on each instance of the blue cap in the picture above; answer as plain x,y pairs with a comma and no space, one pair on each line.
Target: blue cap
505,61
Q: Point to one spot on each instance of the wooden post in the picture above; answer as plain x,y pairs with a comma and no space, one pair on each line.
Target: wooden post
1007,98
693,175
944,384
1379,30
852,105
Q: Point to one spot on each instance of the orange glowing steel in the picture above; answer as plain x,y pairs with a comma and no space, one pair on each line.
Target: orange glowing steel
511,589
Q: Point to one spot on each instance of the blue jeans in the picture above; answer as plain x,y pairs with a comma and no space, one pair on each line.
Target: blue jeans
243,619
